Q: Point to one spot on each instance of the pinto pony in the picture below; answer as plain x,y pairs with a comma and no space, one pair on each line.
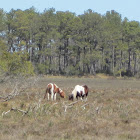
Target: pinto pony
53,89
79,91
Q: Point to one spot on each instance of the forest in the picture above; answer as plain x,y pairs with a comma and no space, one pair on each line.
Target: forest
63,43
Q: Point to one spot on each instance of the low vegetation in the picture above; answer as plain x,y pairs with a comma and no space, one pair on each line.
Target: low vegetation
111,112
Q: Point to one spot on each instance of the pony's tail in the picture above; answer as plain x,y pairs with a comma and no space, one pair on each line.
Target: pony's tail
47,91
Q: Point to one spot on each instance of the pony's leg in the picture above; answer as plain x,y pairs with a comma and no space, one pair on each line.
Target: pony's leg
48,96
86,98
52,96
83,98
81,94
52,93
55,96
77,97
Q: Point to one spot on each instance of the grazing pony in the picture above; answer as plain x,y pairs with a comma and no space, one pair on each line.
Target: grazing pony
79,91
53,89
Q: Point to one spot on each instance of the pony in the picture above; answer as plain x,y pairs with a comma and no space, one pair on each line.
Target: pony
79,91
53,89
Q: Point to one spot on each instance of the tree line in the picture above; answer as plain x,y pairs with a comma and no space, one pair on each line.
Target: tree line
57,42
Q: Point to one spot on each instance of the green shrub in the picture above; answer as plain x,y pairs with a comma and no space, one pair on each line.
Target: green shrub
16,63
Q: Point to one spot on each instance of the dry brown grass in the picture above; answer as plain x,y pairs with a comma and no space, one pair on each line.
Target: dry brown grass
112,111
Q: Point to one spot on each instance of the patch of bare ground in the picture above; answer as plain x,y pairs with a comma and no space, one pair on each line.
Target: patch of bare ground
112,111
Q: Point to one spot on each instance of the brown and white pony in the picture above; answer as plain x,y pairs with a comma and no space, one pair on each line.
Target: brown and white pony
53,89
79,91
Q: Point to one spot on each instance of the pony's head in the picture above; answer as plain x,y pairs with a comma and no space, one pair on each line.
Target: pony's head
71,97
62,93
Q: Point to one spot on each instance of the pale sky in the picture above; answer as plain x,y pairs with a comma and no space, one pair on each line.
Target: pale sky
127,8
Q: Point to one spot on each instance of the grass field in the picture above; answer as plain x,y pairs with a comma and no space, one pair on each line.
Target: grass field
112,111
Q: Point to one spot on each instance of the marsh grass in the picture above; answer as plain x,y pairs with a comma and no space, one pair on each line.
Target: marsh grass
111,112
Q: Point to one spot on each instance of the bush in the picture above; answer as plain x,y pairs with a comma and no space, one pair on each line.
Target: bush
41,68
15,64
73,70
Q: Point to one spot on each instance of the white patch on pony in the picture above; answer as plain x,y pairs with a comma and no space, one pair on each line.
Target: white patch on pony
79,89
74,92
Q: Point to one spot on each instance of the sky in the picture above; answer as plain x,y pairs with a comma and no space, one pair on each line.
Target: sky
127,8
